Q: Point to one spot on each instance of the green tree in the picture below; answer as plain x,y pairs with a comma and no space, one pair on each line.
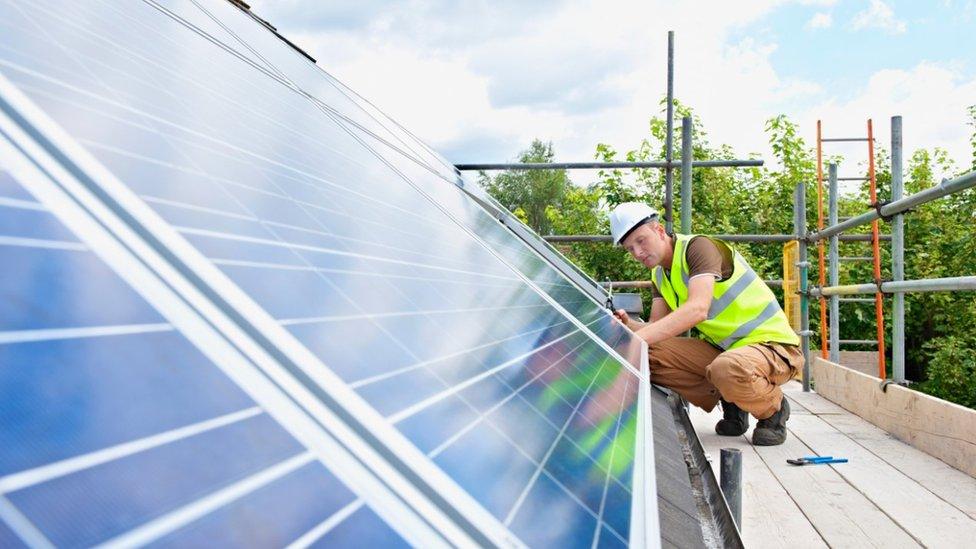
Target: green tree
529,193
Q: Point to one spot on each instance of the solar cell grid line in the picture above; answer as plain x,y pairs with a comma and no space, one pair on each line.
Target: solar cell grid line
44,473
213,211
316,374
357,273
392,373
184,516
26,532
200,335
322,250
323,528
51,334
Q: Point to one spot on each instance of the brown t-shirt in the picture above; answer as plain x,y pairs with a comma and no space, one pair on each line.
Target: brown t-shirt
704,258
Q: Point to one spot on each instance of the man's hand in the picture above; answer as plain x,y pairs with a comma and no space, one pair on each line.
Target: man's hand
623,317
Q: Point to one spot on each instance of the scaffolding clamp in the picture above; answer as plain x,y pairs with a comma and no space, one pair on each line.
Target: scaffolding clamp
878,204
878,283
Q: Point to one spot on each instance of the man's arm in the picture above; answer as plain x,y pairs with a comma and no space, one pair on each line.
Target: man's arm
659,309
685,317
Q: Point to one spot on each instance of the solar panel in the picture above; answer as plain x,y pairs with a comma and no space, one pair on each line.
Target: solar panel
335,256
114,423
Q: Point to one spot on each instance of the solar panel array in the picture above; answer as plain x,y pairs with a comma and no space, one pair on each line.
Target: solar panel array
241,305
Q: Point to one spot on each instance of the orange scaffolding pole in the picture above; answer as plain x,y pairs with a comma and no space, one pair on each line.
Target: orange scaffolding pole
878,296
824,342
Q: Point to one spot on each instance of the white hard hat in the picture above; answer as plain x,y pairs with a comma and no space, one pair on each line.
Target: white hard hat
628,216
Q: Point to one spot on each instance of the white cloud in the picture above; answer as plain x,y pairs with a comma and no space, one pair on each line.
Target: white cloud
911,93
878,16
478,82
821,20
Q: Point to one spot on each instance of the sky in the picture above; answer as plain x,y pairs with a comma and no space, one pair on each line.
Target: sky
478,80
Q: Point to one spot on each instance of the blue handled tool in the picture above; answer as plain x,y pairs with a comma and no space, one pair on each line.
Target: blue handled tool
815,460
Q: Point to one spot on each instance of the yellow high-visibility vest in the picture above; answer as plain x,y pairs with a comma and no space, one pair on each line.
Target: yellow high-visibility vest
743,311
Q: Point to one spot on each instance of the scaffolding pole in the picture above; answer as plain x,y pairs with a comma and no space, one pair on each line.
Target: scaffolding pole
800,228
637,284
657,164
897,255
876,248
669,142
945,188
833,265
822,275
687,152
747,238
949,284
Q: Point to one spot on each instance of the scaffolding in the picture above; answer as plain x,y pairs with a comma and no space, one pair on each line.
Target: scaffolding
830,232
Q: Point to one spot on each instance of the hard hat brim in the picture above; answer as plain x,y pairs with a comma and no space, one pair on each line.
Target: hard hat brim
640,223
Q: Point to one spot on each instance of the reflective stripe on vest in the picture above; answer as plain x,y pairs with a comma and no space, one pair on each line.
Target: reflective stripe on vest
743,309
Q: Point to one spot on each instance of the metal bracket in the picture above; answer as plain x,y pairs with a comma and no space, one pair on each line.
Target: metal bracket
878,204
886,382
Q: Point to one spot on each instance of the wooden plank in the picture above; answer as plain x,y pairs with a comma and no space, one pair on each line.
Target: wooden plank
948,483
939,428
928,518
770,518
812,402
841,514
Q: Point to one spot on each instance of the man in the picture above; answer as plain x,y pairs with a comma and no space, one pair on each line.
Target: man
749,348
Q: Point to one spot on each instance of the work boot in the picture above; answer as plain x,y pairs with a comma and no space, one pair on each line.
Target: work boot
772,430
734,422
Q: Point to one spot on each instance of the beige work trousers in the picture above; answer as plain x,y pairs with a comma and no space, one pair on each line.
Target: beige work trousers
748,376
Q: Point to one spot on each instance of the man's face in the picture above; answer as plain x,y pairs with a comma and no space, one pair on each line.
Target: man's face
648,244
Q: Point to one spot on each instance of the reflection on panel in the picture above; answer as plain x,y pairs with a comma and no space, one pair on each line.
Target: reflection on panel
350,234
114,426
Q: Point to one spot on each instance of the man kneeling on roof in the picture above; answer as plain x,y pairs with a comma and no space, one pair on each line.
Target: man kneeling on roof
749,348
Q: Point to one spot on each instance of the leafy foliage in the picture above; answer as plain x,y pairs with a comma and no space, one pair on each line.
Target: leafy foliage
952,369
529,193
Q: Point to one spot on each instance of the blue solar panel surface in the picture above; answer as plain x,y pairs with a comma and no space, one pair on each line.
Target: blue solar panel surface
112,418
347,231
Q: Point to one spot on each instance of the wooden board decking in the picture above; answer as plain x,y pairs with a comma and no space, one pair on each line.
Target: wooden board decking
888,495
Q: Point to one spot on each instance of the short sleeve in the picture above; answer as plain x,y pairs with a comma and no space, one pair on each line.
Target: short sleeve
704,258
